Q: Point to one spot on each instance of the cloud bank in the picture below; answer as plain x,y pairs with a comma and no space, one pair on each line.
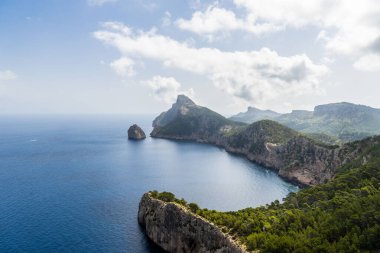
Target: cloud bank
253,76
215,20
346,27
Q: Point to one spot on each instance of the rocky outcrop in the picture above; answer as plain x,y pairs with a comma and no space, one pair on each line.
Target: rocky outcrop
136,133
294,156
176,229
181,107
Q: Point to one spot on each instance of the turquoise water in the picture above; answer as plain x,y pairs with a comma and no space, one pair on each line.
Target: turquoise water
73,184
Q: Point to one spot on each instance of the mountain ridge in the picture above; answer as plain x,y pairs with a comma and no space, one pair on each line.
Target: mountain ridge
344,121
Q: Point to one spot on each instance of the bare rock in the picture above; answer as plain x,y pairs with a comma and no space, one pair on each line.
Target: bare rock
136,133
176,229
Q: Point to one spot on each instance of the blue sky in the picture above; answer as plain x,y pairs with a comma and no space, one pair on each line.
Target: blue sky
119,56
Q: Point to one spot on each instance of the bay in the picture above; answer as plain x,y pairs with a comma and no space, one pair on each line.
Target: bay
73,183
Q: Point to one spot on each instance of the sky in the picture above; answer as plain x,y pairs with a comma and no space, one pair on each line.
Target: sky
136,56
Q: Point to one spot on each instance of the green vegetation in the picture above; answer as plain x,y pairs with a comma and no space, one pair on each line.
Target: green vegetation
324,139
257,134
199,120
170,197
342,215
343,121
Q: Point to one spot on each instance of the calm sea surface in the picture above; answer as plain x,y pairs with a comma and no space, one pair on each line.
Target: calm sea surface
73,184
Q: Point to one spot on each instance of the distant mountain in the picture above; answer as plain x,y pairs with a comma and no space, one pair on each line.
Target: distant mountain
293,155
254,114
344,121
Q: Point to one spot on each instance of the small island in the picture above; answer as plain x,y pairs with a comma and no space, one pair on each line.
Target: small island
136,133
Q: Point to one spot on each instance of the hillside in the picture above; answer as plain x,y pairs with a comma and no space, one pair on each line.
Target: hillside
344,121
339,216
186,120
338,213
294,156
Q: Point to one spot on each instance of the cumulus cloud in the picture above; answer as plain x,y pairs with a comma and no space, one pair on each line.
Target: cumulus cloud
347,27
254,76
99,2
350,25
123,67
166,89
220,20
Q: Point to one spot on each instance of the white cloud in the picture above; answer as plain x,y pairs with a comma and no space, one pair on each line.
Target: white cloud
166,89
99,2
220,20
254,76
123,66
347,26
369,62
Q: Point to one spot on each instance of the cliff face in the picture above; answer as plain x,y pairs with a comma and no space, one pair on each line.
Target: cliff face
294,156
176,229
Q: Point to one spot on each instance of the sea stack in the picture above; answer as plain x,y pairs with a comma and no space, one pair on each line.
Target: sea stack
136,133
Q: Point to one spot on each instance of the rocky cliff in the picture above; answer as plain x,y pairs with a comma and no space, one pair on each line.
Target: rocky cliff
176,229
294,156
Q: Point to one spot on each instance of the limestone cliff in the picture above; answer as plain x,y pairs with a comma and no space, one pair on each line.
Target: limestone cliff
176,229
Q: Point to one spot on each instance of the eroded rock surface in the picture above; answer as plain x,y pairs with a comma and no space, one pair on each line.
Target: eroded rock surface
176,229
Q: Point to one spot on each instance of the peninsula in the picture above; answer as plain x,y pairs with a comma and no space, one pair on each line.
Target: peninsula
294,156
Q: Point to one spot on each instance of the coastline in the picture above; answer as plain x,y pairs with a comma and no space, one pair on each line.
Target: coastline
236,153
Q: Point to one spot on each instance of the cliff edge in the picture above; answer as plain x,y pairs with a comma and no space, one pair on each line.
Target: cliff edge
176,229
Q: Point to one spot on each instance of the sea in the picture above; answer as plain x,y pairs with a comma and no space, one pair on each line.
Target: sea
73,183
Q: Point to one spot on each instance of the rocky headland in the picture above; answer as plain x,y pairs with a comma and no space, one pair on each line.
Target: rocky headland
176,229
